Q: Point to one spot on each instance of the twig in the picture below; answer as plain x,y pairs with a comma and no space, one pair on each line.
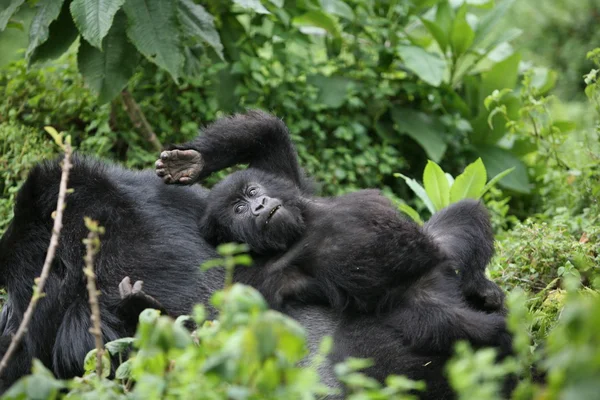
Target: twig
38,289
92,246
139,119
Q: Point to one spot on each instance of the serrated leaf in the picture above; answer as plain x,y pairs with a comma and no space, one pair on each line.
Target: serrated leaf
198,24
153,29
419,191
254,5
422,128
469,184
47,11
7,9
94,18
427,66
436,185
62,34
320,20
107,72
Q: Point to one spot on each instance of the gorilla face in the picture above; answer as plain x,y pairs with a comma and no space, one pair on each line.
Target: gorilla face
256,208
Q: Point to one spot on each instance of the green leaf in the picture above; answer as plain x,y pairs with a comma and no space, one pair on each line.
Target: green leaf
425,129
436,185
7,9
320,20
437,32
411,212
469,184
498,160
47,11
338,7
462,35
427,66
198,24
444,15
333,90
62,34
107,72
153,28
119,346
94,18
124,370
419,191
495,179
254,5
503,75
89,364
489,21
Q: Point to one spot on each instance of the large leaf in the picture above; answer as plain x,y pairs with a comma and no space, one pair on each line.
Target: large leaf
333,90
498,160
461,35
424,129
254,5
108,71
47,11
419,191
320,20
436,185
198,24
338,7
437,32
427,66
62,33
94,18
7,9
153,29
489,21
469,184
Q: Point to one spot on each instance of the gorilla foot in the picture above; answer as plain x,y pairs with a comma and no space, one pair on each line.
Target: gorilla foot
179,166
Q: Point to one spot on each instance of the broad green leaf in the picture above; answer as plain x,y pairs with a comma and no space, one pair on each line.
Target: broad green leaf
444,15
198,24
47,11
338,7
89,364
427,66
498,160
462,35
495,179
94,18
119,346
124,370
333,90
502,75
7,9
62,34
418,190
411,212
490,20
107,72
320,20
254,5
436,185
154,30
422,128
437,32
277,3
543,79
450,179
469,184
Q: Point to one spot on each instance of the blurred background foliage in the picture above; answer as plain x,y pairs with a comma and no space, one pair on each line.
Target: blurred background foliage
368,89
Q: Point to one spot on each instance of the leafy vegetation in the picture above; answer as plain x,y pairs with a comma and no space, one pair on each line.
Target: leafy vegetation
372,91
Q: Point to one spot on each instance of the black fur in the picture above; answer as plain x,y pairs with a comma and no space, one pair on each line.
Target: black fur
357,255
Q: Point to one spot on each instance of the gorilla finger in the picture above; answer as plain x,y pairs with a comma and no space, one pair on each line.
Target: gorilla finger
161,172
185,180
125,287
165,155
137,286
159,164
168,179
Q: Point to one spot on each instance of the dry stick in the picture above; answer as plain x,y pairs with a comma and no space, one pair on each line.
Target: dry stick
139,119
92,245
38,290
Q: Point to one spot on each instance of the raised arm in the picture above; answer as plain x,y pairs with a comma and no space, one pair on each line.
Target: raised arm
255,138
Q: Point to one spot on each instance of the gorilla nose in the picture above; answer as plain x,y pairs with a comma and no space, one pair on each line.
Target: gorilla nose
258,205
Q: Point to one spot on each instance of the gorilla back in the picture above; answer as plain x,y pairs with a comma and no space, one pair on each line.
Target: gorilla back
152,234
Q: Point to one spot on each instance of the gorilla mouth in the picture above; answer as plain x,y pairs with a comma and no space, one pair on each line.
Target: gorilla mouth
273,211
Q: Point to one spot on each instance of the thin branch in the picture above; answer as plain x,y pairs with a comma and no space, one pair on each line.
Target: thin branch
92,246
139,119
38,289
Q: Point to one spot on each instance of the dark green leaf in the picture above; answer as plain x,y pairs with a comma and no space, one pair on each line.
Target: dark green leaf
198,24
333,90
7,9
498,160
62,34
427,66
153,29
94,18
107,72
424,129
47,11
496,179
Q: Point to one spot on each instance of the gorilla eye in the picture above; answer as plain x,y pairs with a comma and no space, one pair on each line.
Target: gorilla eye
252,192
240,208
